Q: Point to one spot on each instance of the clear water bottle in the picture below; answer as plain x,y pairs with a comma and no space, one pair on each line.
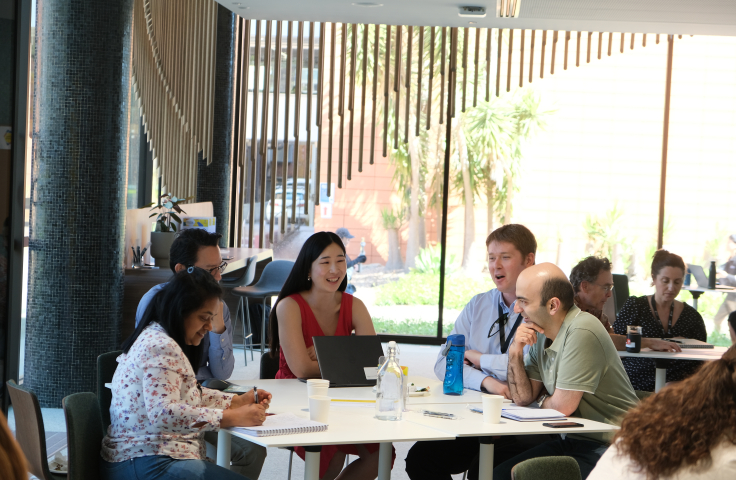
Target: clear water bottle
454,352
390,387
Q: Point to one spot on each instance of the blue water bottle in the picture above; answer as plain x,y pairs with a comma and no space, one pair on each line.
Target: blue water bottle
454,351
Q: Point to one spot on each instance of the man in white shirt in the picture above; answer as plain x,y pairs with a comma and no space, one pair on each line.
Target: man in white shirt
489,323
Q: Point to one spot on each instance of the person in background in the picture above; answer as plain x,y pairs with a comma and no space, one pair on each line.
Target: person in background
592,281
686,431
345,237
573,358
159,412
732,327
489,324
199,248
13,464
727,276
313,303
661,316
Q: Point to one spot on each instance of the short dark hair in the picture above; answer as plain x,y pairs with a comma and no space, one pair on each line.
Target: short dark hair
560,288
187,243
587,271
662,258
518,235
184,294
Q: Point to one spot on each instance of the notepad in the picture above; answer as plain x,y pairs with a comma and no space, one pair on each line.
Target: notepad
689,342
282,424
532,414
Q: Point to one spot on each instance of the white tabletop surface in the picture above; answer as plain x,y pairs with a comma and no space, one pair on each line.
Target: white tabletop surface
350,425
706,354
471,424
292,392
720,289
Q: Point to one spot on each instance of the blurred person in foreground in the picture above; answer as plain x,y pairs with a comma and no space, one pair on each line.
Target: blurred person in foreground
686,431
727,276
592,281
661,316
13,464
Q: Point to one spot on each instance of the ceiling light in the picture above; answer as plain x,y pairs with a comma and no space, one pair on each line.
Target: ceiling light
508,8
471,23
367,4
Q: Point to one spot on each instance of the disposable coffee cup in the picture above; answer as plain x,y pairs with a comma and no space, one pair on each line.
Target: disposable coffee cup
319,408
492,408
317,386
633,339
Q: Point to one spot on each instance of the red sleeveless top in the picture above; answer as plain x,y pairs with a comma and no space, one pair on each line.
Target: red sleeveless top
310,327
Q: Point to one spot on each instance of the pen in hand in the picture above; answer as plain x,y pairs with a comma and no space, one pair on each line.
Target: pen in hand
255,394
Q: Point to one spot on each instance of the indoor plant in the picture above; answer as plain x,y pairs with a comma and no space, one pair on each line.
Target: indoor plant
166,225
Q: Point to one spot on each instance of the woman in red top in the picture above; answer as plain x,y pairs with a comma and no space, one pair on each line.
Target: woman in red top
313,302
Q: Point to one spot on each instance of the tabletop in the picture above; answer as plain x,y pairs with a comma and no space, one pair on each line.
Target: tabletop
238,257
720,289
705,354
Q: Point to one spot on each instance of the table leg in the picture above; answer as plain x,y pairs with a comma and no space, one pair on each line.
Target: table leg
485,464
311,462
384,461
695,295
223,448
660,379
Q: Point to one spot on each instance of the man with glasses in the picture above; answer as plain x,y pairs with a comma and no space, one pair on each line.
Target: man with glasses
592,282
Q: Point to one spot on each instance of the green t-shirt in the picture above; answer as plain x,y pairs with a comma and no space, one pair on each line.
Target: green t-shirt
583,358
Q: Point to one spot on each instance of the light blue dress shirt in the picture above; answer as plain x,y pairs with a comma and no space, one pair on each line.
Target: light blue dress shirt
217,358
475,322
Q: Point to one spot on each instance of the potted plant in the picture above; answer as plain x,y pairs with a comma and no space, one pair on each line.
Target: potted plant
163,235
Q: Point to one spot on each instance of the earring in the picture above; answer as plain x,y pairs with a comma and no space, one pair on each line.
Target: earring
309,279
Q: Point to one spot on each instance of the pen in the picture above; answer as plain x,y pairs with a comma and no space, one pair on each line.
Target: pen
255,394
446,417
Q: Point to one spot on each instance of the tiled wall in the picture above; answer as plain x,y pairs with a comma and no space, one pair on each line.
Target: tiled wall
78,184
213,180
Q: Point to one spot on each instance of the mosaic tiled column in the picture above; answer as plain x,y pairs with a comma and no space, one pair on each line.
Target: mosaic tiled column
213,180
75,285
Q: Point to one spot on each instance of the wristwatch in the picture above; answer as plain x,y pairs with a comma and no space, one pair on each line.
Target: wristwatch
542,399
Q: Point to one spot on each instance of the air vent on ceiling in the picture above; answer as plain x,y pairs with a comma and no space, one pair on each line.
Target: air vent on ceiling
475,12
508,8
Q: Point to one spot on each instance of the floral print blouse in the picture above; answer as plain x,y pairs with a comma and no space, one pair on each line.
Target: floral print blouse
157,407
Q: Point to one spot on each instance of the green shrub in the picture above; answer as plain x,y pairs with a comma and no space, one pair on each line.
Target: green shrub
428,261
423,289
719,339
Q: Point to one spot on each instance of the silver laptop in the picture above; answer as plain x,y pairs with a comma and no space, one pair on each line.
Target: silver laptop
702,278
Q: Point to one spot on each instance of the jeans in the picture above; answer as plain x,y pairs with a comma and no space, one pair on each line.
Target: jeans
161,467
586,453
246,457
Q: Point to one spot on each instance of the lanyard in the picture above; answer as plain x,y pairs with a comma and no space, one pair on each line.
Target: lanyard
501,321
667,334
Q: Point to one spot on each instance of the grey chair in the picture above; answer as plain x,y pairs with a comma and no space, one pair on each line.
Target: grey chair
29,431
84,435
106,366
620,290
549,468
272,280
247,277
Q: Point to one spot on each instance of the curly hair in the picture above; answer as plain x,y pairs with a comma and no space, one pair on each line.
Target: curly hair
679,426
587,271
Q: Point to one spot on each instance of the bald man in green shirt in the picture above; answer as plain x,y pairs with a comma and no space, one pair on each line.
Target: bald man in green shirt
572,356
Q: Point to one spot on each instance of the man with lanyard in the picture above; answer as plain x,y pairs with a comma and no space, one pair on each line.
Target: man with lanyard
489,323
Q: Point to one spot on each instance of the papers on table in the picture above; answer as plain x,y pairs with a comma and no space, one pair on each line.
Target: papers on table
282,424
525,414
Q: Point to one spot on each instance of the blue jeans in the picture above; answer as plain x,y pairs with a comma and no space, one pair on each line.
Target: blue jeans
161,467
586,453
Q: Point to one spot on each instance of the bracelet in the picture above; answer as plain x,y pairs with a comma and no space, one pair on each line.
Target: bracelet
542,399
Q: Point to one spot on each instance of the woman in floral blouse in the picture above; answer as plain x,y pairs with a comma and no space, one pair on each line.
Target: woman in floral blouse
159,413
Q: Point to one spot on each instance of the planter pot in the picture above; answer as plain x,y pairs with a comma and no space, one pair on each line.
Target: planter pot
160,246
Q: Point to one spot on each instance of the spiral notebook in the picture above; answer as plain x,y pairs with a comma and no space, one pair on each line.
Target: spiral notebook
282,424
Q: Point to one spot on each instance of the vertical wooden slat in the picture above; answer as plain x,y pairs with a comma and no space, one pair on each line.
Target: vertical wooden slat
511,51
364,67
531,58
320,88
430,81
657,40
397,84
452,86
555,37
330,113
567,42
476,69
622,42
297,122
266,94
521,58
245,62
420,69
489,32
498,62
341,107
376,77
274,132
665,141
287,114
254,134
577,55
632,41
600,44
644,40
466,34
610,42
351,103
308,157
544,50
407,80
590,41
442,74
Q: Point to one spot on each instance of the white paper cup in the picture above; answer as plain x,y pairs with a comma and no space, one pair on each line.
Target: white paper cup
492,408
319,408
317,386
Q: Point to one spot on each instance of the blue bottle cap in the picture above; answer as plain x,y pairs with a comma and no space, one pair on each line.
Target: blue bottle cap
457,340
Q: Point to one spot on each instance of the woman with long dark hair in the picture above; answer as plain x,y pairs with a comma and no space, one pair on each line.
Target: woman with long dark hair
313,303
158,412
686,431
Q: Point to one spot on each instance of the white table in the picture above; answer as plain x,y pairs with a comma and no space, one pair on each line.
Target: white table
702,354
471,424
696,292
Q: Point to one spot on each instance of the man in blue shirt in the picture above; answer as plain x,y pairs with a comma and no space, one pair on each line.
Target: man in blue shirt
489,323
200,248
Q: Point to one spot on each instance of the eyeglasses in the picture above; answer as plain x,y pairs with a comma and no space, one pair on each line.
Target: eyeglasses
212,271
607,287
